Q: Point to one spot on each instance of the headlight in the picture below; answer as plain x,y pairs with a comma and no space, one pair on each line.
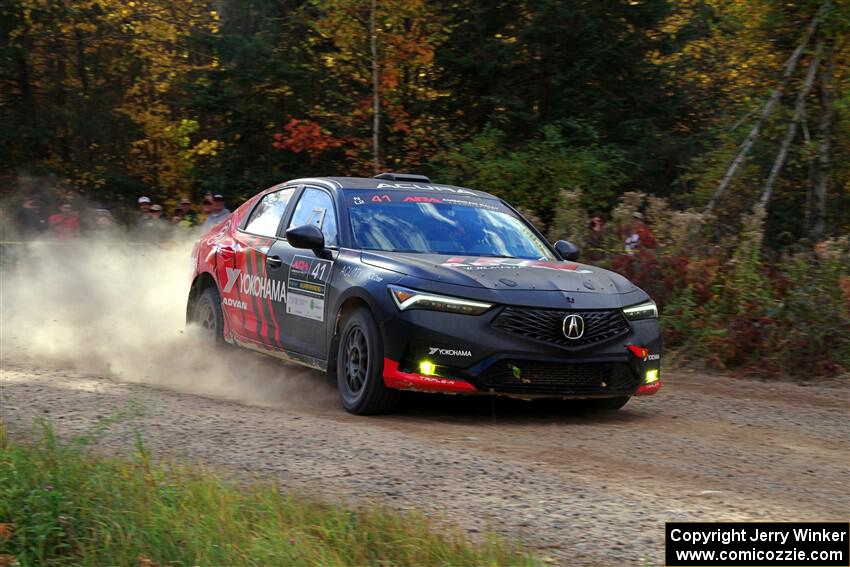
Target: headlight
646,310
411,299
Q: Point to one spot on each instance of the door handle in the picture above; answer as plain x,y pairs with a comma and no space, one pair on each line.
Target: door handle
274,262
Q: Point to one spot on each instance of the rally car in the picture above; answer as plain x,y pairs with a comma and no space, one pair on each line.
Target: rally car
397,283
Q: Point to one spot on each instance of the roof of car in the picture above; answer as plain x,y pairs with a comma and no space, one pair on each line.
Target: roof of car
336,183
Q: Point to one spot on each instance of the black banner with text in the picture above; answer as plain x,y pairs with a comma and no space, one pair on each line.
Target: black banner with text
757,544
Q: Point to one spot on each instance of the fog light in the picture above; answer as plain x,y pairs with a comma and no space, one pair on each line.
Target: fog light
428,368
651,376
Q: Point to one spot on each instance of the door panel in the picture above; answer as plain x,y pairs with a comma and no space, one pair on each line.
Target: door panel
304,317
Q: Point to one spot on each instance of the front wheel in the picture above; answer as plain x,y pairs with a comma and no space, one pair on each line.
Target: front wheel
360,366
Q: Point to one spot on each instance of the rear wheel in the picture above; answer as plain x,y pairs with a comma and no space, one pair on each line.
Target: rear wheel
360,365
207,315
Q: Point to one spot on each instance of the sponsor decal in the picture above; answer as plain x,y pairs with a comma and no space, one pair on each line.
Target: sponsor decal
421,199
417,186
358,201
309,276
306,306
484,263
352,273
643,353
479,204
235,303
448,352
308,285
256,286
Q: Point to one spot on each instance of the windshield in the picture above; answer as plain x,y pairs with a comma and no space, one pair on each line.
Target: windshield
440,224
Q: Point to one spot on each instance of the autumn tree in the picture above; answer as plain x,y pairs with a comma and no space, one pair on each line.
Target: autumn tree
93,87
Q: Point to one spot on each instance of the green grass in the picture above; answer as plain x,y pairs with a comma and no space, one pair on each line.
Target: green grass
68,506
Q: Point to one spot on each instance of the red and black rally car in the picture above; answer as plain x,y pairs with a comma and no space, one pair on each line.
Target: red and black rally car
397,283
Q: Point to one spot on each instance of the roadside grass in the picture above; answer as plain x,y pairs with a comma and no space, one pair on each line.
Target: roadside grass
60,504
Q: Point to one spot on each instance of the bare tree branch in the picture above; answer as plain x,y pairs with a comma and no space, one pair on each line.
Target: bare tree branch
791,131
788,70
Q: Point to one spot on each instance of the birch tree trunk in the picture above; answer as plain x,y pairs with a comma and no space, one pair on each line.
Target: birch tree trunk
824,130
787,71
376,95
810,184
791,131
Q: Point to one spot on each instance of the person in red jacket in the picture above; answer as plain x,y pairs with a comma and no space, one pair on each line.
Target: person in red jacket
65,224
638,236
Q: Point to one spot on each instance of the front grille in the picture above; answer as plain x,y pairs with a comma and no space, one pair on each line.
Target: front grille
566,379
546,325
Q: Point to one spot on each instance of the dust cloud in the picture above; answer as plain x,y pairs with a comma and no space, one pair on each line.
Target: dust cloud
115,307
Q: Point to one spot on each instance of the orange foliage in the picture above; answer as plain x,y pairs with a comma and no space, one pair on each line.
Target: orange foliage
305,136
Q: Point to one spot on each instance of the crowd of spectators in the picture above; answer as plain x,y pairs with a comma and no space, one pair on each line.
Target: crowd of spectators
149,222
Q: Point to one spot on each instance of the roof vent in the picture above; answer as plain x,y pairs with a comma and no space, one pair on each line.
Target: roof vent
403,177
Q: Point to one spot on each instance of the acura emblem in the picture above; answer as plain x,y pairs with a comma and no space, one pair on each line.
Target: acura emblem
573,327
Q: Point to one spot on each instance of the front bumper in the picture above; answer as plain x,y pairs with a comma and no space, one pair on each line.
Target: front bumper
465,354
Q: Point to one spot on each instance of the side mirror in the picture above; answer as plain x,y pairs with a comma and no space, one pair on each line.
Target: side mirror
567,250
306,236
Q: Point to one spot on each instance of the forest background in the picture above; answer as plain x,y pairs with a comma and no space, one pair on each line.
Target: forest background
725,123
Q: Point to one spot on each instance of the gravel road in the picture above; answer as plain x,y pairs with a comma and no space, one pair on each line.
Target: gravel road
578,489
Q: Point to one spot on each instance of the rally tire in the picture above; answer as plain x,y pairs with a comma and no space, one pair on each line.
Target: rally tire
607,404
360,367
207,315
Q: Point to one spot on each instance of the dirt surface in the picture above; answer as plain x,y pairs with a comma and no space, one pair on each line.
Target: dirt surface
578,489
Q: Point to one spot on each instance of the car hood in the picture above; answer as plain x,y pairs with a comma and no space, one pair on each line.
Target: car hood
501,273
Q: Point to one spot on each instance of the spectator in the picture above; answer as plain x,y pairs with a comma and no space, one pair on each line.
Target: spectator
638,235
144,205
597,223
65,224
206,208
596,237
185,217
153,227
29,219
218,214
103,221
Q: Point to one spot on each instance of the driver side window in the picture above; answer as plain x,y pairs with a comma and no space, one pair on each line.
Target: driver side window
316,207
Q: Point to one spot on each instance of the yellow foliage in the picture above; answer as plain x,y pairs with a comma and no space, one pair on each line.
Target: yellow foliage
154,58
